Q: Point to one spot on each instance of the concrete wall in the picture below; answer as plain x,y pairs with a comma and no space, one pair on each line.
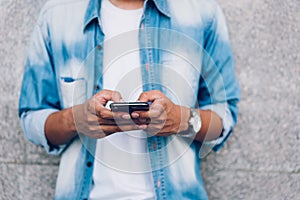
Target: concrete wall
260,161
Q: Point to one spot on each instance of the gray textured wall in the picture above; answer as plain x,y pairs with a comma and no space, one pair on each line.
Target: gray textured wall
260,161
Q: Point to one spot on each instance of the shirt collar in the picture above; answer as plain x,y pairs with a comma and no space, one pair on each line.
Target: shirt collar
93,10
162,6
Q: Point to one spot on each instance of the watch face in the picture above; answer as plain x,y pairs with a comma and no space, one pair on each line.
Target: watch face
195,120
194,125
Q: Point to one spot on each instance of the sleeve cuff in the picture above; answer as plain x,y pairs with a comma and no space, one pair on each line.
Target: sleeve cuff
33,123
224,113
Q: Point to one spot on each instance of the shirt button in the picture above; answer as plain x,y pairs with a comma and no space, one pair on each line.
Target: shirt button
158,183
89,164
96,87
99,47
154,145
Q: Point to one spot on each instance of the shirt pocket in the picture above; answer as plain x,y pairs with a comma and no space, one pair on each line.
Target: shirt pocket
73,91
181,79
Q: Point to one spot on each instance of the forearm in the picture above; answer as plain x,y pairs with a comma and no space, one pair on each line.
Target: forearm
91,119
60,127
211,127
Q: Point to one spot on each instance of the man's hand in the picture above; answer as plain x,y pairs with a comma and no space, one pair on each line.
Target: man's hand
166,117
94,120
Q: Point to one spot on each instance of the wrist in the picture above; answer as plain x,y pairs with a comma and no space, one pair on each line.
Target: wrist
59,128
185,116
194,124
70,120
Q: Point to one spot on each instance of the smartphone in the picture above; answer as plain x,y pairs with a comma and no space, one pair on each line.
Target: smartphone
129,106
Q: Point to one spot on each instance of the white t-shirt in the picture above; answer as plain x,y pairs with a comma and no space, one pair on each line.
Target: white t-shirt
121,169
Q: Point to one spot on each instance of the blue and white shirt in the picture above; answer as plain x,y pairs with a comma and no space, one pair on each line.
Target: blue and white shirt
184,51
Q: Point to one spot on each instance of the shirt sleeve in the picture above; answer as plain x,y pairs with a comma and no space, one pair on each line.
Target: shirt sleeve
39,95
224,113
33,123
218,86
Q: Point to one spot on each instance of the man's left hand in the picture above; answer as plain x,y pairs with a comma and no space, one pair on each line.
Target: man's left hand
166,118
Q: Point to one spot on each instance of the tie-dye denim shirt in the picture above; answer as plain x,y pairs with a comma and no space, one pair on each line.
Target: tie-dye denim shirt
184,51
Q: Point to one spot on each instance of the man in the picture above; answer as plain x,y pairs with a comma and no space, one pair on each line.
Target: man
86,54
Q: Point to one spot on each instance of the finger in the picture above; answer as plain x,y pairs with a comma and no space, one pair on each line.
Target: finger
94,131
132,127
93,106
142,121
150,96
154,122
135,115
106,122
99,110
156,110
154,129
116,96
99,100
107,95
118,122
106,113
92,119
114,121
105,130
113,129
126,116
97,131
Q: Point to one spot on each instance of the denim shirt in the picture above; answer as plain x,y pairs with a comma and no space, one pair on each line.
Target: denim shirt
184,51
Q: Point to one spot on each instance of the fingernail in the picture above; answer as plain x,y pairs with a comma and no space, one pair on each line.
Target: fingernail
142,126
135,115
126,116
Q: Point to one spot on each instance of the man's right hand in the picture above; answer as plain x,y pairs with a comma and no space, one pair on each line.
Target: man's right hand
90,118
94,120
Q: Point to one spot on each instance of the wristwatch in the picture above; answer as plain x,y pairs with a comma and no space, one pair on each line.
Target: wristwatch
194,124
